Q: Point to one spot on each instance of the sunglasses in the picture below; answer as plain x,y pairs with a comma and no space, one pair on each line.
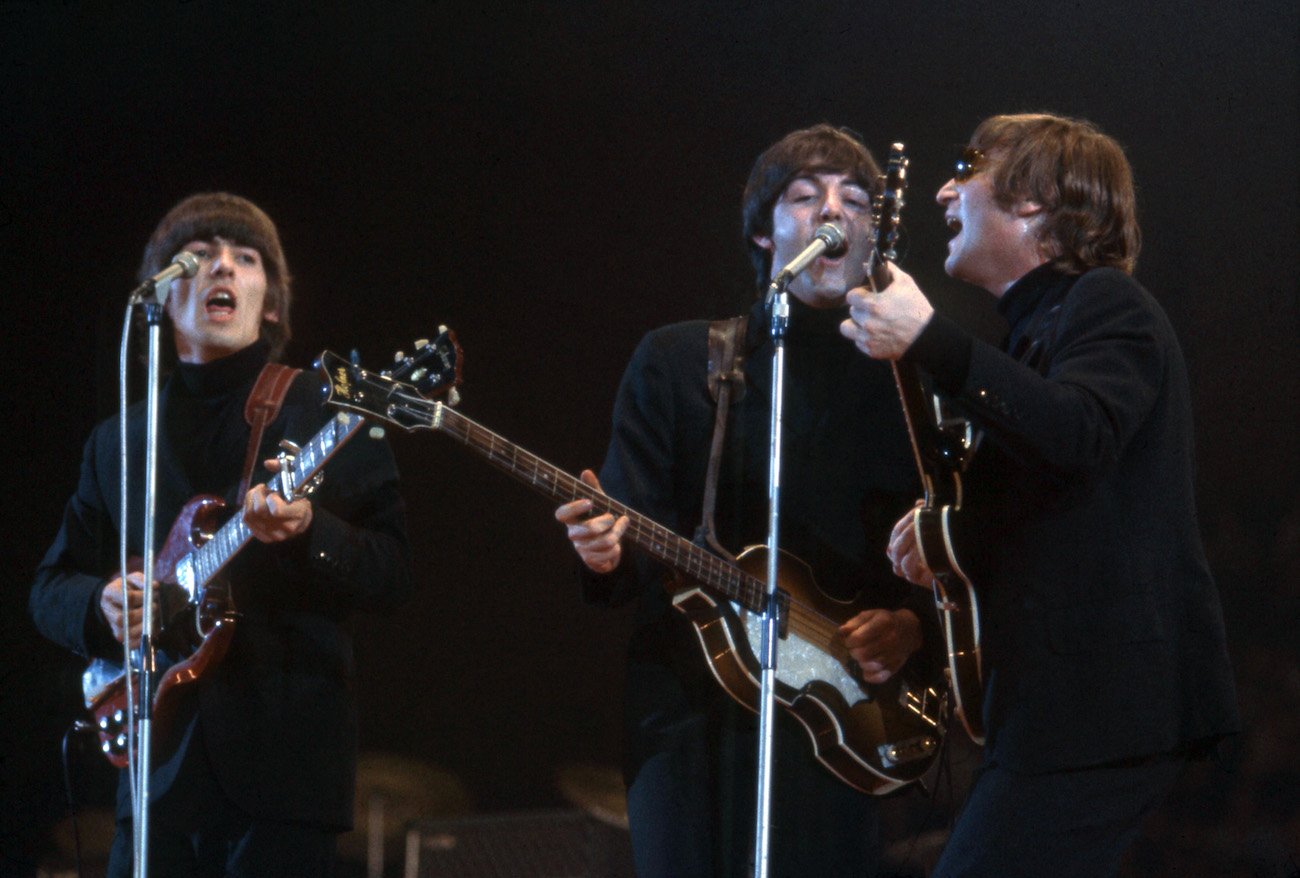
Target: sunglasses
968,165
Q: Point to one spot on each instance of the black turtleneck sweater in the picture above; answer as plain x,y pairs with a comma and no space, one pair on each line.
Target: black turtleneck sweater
277,716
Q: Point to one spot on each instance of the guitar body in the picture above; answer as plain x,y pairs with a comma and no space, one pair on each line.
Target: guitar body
958,607
109,708
200,630
875,738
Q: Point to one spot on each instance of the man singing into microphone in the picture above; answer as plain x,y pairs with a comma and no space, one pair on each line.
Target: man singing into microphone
256,775
1103,648
847,475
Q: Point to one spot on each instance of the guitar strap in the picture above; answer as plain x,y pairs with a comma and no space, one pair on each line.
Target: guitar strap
262,407
726,371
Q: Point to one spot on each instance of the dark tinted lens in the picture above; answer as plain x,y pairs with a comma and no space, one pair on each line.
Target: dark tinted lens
968,164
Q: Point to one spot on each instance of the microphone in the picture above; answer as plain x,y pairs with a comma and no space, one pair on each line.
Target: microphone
828,239
184,264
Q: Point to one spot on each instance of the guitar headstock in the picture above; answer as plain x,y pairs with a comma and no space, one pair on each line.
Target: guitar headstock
399,395
887,207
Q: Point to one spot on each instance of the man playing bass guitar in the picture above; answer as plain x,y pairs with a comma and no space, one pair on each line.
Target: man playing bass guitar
848,474
256,776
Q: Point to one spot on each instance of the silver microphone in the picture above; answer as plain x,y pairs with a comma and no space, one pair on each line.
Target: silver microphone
828,239
184,264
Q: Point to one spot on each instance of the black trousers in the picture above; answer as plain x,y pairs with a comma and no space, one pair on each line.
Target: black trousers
692,807
195,830
1062,824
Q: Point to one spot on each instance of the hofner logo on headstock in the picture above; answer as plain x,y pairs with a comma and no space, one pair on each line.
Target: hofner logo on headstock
341,384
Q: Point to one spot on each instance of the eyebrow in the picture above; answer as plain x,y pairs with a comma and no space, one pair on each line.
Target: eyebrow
811,177
215,239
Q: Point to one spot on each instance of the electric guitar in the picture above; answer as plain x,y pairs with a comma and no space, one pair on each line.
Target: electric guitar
198,611
942,447
873,737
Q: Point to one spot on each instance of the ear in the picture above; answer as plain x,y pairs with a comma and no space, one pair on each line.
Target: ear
271,315
1026,209
763,242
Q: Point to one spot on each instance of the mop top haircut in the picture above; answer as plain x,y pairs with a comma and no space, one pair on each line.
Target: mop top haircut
820,149
210,215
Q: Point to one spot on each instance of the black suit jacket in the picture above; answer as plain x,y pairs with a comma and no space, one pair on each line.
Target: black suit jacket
1103,634
277,719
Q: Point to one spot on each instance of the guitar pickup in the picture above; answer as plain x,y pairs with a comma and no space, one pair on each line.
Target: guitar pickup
897,752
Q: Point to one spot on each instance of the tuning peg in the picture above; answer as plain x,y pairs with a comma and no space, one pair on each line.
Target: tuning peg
399,356
293,448
442,328
453,397
421,344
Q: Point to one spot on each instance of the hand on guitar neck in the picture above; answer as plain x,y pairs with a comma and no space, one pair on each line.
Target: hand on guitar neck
271,518
884,324
598,539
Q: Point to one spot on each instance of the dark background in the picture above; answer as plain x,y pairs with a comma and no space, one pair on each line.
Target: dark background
552,180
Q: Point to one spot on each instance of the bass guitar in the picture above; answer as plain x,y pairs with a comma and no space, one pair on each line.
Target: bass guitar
199,613
875,738
942,447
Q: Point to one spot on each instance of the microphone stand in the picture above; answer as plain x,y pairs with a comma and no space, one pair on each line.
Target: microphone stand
779,305
153,301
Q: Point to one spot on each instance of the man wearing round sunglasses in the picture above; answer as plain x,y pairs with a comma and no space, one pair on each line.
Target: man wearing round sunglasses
1104,660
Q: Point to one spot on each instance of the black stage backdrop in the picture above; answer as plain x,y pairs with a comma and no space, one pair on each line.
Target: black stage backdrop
552,180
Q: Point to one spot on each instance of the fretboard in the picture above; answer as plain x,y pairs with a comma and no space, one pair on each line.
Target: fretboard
648,535
234,534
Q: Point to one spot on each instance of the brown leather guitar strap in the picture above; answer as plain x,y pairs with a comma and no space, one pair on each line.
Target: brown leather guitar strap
261,409
726,371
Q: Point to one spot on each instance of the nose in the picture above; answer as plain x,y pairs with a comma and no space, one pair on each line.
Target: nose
223,259
832,205
947,192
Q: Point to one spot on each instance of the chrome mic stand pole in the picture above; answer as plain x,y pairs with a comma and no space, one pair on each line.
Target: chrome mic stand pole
153,309
779,303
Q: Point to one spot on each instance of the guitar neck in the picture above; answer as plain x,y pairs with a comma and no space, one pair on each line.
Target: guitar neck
917,408
213,555
915,400
646,534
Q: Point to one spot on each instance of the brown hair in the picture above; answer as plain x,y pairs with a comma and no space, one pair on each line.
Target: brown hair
1081,178
819,149
211,215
